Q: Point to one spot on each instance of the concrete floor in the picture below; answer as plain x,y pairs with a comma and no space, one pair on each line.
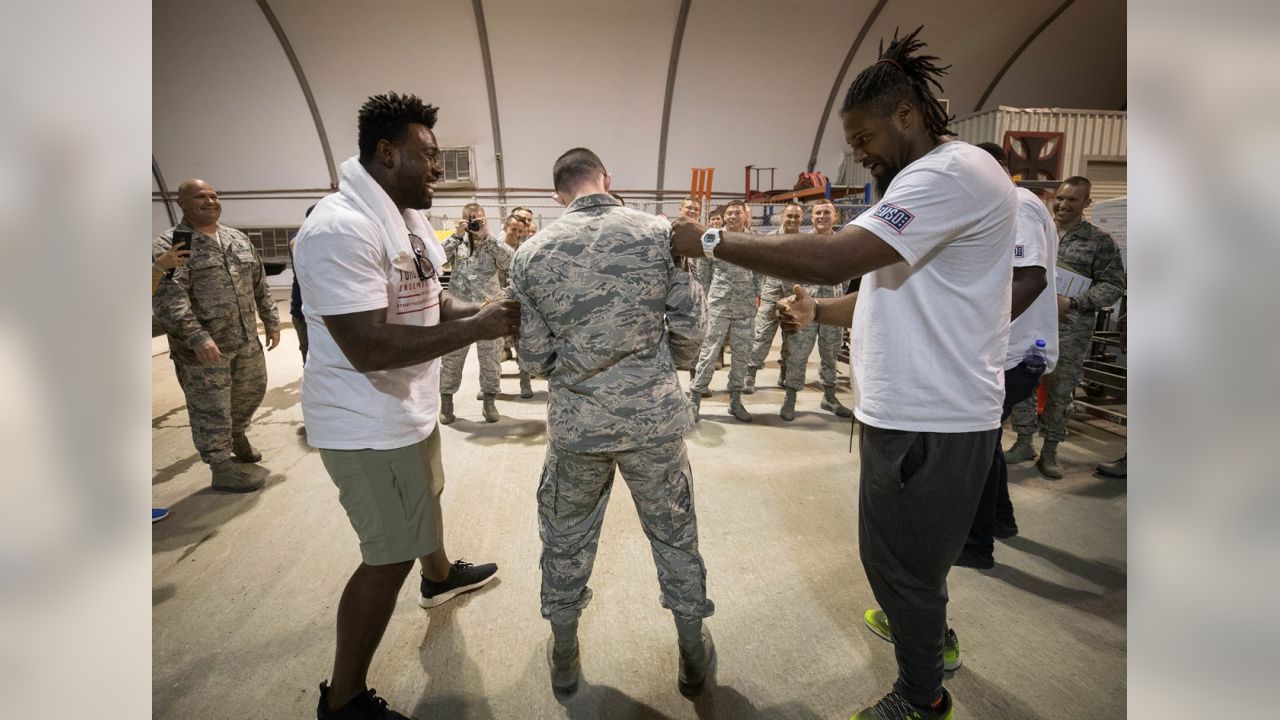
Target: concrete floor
245,587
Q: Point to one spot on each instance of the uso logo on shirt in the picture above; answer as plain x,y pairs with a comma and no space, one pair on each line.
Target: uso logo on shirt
893,216
1018,251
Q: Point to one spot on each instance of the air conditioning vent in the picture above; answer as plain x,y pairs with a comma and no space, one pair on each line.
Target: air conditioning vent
459,167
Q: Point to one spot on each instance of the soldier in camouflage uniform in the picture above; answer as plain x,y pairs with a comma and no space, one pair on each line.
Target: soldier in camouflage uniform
797,348
766,323
731,305
207,308
515,230
1088,251
608,317
477,260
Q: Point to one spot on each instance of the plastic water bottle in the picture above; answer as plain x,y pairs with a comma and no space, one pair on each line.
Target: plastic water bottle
1035,359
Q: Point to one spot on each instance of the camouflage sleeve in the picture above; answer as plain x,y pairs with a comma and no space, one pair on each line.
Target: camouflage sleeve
686,317
502,254
171,302
1108,278
451,248
262,297
535,345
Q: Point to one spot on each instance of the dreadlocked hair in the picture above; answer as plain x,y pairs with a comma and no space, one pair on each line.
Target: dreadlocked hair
901,70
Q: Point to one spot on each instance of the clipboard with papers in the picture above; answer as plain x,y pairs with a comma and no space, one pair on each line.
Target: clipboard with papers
1070,284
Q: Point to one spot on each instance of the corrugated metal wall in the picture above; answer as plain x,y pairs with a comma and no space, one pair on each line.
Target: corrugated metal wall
1086,134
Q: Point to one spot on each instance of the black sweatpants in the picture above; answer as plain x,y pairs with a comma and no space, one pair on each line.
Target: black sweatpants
1019,384
918,495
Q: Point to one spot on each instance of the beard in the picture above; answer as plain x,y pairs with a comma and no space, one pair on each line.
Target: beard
885,179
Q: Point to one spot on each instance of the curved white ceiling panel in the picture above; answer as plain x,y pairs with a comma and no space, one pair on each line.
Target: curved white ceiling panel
226,105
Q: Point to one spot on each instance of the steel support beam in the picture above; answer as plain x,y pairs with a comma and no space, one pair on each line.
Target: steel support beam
835,87
677,40
482,32
1017,53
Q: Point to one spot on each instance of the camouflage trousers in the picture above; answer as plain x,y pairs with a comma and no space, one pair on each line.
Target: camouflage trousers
489,353
1074,337
797,348
766,325
739,330
572,497
222,398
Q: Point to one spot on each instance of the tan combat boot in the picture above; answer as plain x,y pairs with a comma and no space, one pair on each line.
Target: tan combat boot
1021,451
446,409
563,658
1048,462
490,410
243,450
697,656
831,404
227,477
736,409
788,411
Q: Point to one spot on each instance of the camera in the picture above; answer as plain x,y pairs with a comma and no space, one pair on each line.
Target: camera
475,225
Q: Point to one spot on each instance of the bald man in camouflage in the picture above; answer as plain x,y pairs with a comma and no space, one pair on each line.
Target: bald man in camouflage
207,308
607,317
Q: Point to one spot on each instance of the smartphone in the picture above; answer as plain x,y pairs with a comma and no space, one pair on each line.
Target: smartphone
181,239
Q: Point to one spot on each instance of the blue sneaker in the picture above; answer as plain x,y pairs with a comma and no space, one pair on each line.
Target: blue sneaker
158,514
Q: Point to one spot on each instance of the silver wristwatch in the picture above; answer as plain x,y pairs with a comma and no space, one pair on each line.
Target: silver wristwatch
710,239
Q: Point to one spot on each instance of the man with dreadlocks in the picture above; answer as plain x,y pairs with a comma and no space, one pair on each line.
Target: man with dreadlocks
930,330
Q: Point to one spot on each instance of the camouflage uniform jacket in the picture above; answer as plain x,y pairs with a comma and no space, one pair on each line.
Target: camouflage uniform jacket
733,290
607,316
477,267
213,295
1086,250
818,291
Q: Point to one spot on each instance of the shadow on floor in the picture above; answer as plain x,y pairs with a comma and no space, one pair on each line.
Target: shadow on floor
174,469
277,399
195,519
1109,605
1099,573
981,698
159,420
443,655
505,431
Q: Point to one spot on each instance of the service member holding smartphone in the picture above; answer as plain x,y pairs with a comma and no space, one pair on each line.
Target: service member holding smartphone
207,307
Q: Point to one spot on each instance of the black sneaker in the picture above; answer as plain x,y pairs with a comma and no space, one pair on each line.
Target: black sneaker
463,577
365,706
970,559
1005,530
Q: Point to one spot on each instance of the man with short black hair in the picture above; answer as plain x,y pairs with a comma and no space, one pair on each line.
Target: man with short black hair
607,318
1090,254
368,265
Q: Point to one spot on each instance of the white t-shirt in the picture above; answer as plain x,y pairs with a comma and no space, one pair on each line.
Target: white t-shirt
930,333
1036,246
343,267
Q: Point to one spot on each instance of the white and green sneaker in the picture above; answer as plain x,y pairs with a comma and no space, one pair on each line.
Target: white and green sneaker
895,707
878,623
